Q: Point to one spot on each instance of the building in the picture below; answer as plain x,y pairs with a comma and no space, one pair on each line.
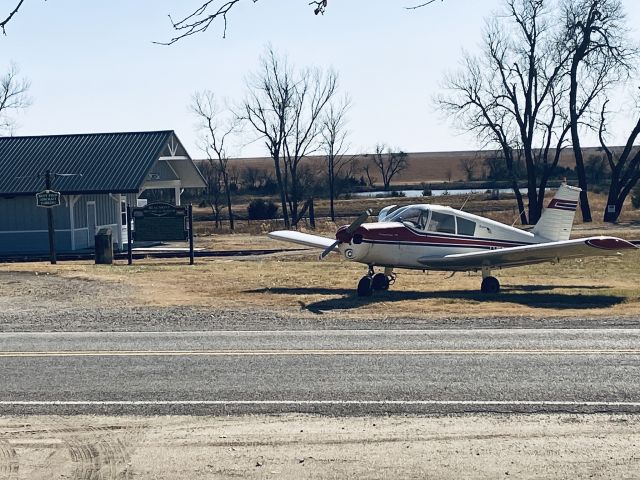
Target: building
97,176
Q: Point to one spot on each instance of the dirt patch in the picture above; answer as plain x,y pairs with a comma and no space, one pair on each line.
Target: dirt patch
41,290
302,446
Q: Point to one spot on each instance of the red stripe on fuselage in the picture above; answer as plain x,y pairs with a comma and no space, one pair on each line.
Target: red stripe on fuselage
401,234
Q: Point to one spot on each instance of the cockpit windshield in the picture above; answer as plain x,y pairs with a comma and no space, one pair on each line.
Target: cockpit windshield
415,216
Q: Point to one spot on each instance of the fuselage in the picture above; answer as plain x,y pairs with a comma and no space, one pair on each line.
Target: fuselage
428,231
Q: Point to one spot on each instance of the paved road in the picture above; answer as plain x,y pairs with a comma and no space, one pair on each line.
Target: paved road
336,371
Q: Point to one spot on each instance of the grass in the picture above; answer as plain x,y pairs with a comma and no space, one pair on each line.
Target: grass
301,285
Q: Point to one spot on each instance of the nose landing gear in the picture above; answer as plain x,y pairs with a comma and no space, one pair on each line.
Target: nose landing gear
375,281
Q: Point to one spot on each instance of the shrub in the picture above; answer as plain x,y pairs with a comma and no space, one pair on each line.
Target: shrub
260,209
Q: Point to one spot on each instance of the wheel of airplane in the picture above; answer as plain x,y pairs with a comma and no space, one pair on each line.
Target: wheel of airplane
364,287
380,282
490,285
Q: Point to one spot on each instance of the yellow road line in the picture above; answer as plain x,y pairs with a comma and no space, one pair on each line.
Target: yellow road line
323,352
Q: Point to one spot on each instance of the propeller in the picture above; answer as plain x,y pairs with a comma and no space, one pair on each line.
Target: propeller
348,233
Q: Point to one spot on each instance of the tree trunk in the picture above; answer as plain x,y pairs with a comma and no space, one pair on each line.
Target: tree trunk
520,202
228,192
331,192
283,196
575,140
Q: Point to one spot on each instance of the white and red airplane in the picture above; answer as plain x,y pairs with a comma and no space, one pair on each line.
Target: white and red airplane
434,237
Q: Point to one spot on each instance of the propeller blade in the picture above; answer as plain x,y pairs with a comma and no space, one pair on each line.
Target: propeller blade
359,221
329,249
350,229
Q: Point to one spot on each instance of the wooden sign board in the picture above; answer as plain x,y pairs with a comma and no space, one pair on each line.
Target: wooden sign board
47,199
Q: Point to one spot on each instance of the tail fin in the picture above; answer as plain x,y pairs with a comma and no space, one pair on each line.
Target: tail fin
557,219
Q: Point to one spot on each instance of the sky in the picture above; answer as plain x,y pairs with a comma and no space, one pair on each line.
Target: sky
93,65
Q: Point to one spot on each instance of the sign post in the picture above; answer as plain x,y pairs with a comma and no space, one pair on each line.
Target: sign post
49,199
191,261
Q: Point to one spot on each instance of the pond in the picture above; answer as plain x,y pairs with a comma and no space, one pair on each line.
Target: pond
434,193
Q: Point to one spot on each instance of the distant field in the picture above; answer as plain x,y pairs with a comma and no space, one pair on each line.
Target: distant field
424,167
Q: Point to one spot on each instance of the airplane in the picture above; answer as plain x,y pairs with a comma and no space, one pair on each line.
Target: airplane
434,237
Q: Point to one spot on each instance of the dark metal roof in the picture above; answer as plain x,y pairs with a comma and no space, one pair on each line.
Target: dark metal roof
108,162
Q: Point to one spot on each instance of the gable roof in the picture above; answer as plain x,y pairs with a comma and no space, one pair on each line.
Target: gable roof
108,162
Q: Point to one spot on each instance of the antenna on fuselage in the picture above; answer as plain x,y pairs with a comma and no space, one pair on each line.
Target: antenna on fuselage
465,202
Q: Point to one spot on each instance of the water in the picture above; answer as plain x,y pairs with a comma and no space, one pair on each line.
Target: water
434,193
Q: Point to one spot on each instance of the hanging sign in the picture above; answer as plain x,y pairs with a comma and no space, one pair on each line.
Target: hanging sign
48,199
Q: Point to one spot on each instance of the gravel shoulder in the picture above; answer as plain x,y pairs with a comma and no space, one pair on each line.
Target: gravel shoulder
305,446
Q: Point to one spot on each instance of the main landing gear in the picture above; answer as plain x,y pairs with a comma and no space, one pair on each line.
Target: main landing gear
375,281
489,284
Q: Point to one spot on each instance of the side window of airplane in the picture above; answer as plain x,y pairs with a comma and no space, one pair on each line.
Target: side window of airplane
466,227
442,222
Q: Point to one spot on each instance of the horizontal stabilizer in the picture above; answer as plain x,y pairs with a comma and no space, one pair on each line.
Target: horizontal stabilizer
300,238
530,254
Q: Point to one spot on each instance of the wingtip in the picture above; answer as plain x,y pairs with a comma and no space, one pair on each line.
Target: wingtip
611,243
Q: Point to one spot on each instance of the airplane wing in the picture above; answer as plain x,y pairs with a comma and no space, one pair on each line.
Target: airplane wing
302,238
529,254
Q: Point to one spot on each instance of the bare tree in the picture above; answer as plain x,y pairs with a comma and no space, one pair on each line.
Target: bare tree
624,165
285,107
217,126
334,144
600,54
469,166
254,178
215,188
511,95
389,163
13,96
267,109
312,92
367,168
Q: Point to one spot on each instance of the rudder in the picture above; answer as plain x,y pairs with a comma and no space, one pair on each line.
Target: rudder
556,220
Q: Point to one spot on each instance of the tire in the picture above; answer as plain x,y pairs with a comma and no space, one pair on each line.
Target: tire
364,287
490,285
380,282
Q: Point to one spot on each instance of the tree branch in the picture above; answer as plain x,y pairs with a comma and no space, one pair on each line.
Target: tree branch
10,16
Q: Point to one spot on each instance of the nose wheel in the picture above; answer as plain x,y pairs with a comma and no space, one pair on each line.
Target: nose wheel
375,281
365,286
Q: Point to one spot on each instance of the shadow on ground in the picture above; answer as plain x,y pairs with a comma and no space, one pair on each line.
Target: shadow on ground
534,296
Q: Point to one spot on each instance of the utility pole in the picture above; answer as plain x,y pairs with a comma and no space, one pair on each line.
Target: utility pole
52,236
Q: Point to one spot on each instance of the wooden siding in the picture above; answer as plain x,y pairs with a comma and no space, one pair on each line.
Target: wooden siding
23,225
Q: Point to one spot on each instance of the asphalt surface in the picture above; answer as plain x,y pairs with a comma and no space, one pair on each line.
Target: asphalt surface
341,372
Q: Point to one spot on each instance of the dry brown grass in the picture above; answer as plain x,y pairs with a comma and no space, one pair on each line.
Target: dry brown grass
301,285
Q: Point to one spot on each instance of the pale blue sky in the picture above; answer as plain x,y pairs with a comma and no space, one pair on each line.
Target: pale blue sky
93,67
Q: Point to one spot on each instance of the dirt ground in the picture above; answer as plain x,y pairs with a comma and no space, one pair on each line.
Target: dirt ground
303,446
